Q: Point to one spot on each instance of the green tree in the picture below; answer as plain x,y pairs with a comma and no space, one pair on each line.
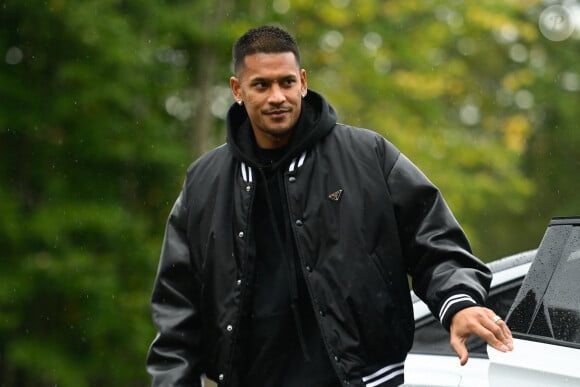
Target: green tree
90,164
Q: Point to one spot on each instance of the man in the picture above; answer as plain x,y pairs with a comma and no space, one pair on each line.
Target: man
286,255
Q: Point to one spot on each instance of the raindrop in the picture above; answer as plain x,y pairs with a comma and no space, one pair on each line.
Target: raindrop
508,33
14,56
372,41
221,101
570,81
442,13
556,23
454,20
178,58
340,3
281,6
331,40
469,114
524,99
178,108
382,65
518,53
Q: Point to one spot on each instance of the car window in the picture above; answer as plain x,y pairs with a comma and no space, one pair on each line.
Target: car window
432,338
560,312
547,308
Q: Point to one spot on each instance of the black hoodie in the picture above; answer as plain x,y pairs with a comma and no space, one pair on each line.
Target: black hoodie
282,342
316,120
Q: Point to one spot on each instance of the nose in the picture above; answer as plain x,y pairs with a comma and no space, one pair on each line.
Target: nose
277,95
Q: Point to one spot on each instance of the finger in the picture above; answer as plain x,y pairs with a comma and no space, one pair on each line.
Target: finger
505,335
497,328
460,349
496,334
506,329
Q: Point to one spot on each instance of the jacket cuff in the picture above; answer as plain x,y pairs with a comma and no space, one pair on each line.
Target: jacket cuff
452,305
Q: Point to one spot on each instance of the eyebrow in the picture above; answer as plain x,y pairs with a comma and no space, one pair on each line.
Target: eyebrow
265,79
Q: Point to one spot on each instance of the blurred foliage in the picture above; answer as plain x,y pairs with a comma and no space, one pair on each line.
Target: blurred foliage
100,109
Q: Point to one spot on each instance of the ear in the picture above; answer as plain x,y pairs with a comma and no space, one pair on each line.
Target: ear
235,86
303,83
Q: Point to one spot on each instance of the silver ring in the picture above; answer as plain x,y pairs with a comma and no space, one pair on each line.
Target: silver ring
496,318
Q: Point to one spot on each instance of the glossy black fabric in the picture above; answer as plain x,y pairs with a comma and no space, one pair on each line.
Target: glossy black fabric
282,349
362,217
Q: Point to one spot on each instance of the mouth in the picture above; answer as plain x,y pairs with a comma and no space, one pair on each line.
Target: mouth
278,113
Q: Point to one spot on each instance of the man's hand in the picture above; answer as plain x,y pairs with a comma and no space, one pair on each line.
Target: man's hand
482,322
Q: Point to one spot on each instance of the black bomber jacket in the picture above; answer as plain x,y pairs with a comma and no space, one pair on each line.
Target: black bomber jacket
363,218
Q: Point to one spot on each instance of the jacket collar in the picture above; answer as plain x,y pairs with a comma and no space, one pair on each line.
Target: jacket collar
248,173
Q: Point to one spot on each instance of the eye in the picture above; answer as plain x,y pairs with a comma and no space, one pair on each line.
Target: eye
260,85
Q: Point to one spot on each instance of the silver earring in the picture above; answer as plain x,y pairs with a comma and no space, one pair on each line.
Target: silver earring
240,102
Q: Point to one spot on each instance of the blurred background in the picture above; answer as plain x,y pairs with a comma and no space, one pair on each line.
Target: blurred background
104,103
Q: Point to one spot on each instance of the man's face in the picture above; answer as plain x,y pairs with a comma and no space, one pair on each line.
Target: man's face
271,88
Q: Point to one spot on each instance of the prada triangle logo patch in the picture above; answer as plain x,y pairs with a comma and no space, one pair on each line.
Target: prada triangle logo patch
335,196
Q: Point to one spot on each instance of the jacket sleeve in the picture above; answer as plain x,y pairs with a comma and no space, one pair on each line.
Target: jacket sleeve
174,356
444,272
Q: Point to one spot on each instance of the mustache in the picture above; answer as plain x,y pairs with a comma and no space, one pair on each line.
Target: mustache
278,110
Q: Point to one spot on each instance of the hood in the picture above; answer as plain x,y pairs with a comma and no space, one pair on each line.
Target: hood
317,118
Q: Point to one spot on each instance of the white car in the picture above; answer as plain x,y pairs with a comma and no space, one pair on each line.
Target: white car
544,318
432,362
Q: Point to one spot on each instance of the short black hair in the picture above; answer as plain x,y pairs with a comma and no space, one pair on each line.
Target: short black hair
264,39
